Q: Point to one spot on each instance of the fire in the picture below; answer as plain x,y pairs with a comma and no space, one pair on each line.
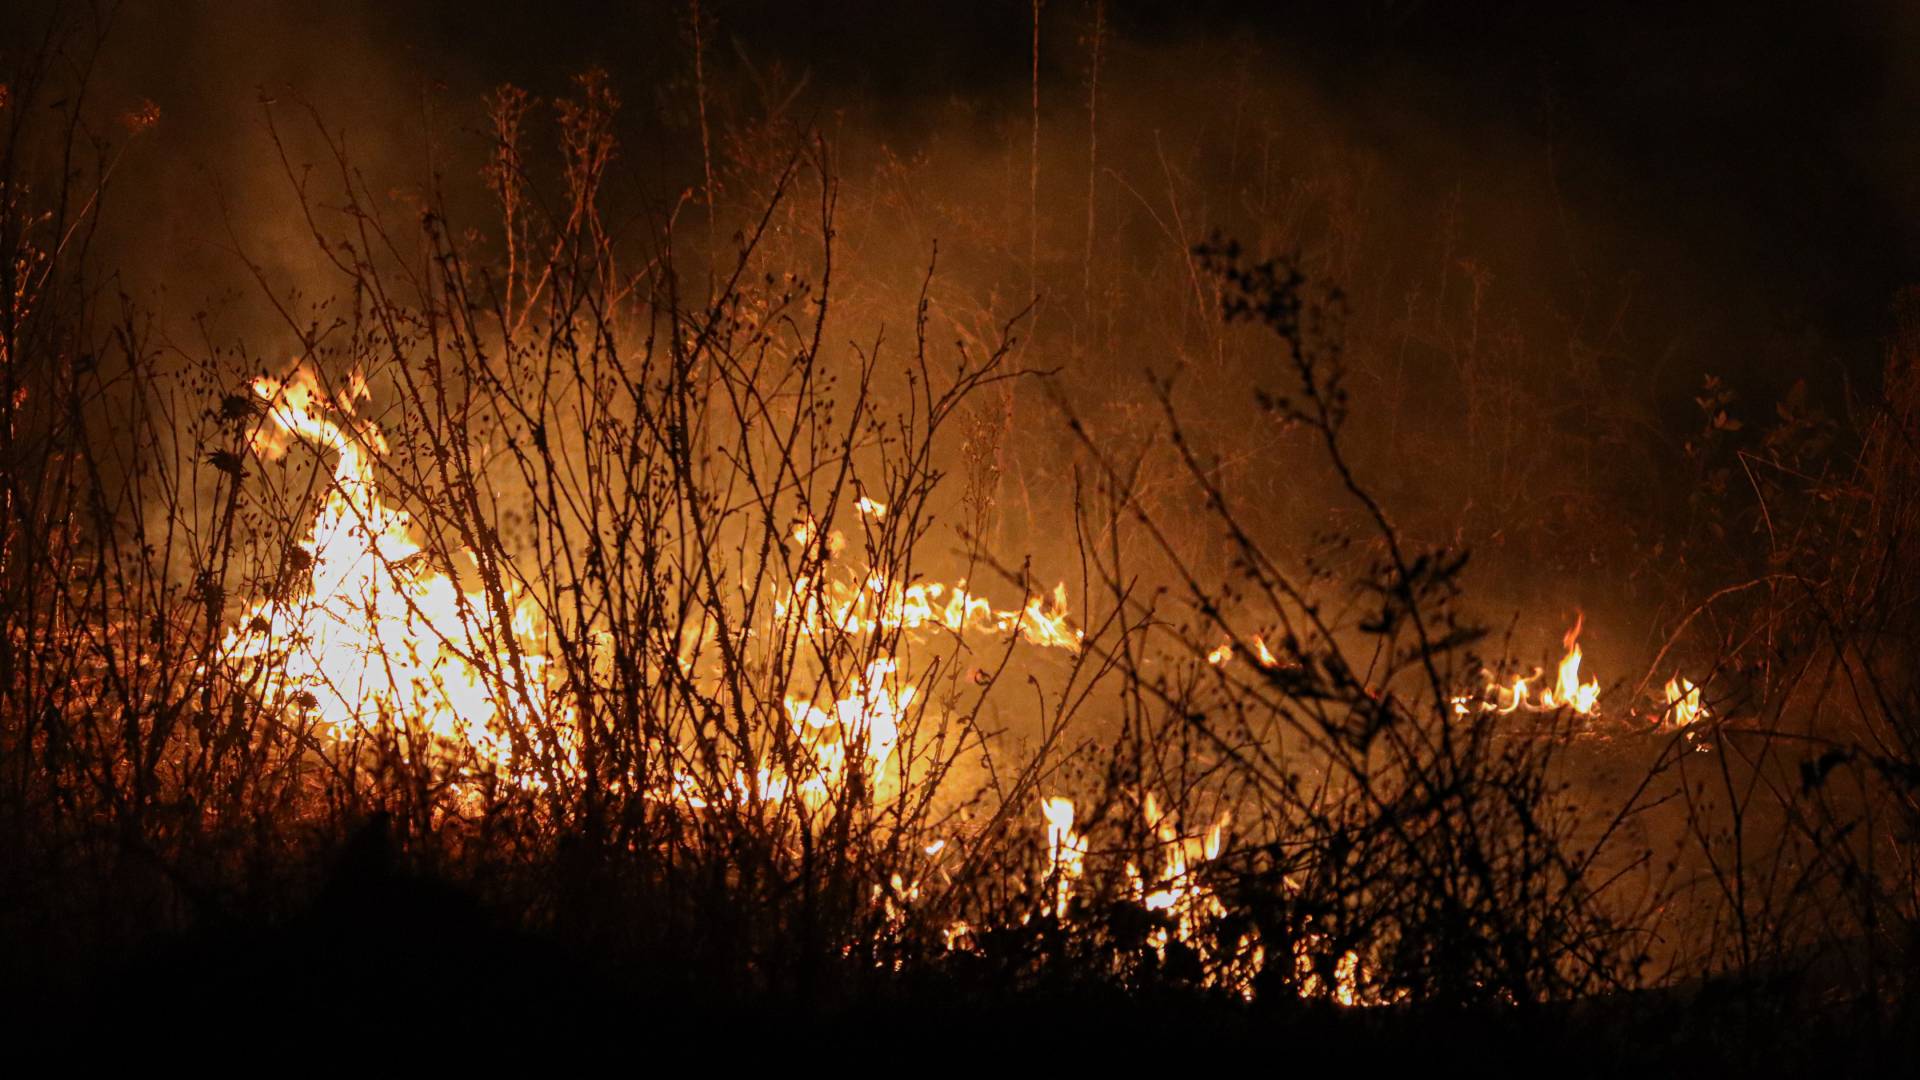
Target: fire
1262,655
1683,709
805,531
371,637
1066,851
1684,705
374,638
1343,987
1173,887
1192,904
878,603
1515,697
867,717
1568,691
1511,693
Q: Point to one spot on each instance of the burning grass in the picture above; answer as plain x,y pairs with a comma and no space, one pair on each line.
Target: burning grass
633,607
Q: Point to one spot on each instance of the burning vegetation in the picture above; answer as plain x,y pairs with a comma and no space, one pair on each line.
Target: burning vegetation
772,620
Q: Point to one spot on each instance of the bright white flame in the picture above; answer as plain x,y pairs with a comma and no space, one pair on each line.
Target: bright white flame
1066,850
372,637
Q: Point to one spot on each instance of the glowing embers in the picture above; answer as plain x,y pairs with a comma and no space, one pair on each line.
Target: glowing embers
369,635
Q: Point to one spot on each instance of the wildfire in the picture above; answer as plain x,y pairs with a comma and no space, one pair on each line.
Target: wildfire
1683,709
374,638
864,720
1342,984
1172,886
1192,904
369,636
1263,654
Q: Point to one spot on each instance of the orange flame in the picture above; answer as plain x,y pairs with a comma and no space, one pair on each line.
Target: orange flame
1685,707
1568,691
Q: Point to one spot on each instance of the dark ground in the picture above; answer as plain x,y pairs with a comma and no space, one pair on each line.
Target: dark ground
384,958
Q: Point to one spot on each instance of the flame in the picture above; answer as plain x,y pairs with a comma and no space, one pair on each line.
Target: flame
373,638
958,936
864,721
1174,888
1510,693
806,530
1343,988
1066,851
1568,691
820,606
1684,704
1516,697
1178,890
1263,654
867,717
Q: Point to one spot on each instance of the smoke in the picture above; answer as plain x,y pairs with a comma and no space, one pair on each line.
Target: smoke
1677,145
1549,225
